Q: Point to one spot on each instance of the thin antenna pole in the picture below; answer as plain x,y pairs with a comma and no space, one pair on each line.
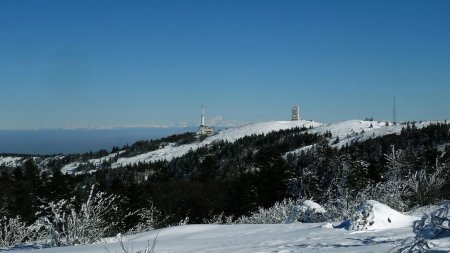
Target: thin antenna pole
394,113
202,121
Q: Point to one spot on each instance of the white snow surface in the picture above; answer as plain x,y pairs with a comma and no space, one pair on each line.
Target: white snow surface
384,217
171,151
281,238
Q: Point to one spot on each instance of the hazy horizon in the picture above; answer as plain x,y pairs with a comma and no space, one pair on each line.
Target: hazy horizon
64,141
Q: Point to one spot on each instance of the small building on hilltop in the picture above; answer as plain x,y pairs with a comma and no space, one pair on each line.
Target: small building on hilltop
204,129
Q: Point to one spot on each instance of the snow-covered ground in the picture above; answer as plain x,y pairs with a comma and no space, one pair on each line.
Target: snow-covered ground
315,237
378,228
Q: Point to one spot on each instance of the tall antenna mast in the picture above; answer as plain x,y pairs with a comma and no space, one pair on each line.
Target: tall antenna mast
394,114
202,122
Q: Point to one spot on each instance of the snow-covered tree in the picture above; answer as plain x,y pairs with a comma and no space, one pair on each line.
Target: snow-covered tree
396,164
13,231
425,184
394,190
391,193
64,224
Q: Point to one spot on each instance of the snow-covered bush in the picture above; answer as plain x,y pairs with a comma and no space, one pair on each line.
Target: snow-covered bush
13,231
307,211
342,209
429,227
420,188
64,224
150,248
391,193
425,184
219,219
363,217
184,222
406,185
278,213
286,211
149,219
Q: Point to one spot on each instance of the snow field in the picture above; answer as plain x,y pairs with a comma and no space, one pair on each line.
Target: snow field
250,238
379,235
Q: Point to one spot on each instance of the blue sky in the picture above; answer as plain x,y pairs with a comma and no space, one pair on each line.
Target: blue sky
66,64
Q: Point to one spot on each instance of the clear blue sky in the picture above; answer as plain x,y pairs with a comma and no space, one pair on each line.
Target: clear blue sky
115,63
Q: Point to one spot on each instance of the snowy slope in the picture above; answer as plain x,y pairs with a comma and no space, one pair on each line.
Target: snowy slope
172,151
99,161
351,131
16,161
360,130
10,161
255,238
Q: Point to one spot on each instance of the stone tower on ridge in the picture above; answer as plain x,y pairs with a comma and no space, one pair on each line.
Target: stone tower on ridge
295,113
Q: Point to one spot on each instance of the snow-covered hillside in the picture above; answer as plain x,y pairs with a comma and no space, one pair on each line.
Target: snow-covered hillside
348,132
232,134
14,161
10,161
352,131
